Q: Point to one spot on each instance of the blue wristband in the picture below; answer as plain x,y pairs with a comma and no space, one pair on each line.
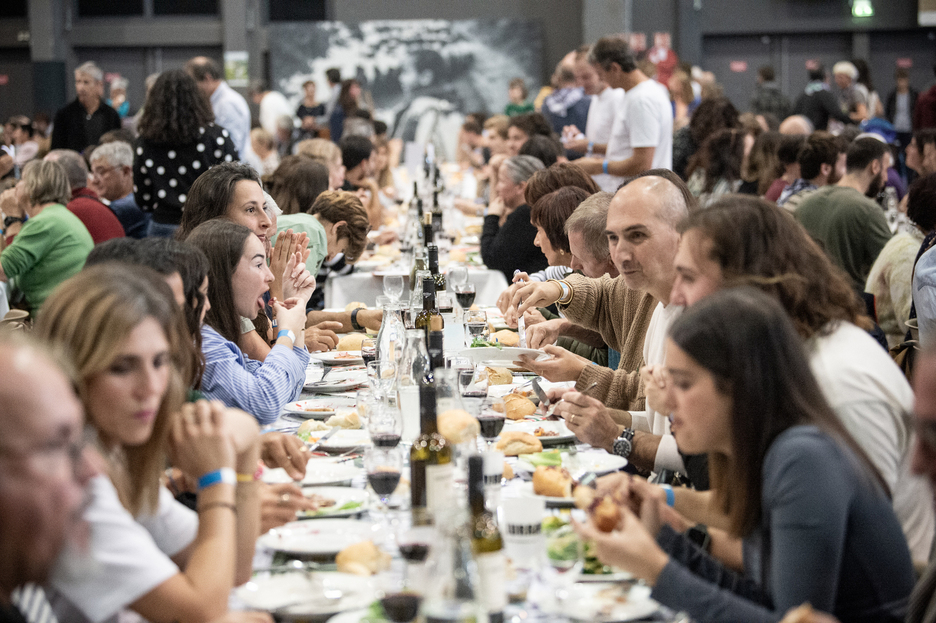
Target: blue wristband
670,496
604,167
225,475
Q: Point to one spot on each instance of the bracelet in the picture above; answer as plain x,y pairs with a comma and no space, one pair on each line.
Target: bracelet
567,292
354,323
604,167
591,147
246,478
287,333
225,476
208,506
670,496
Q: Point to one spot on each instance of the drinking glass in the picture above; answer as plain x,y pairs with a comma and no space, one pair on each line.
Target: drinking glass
383,466
393,287
476,325
465,295
368,350
492,419
385,426
414,543
444,303
457,275
381,377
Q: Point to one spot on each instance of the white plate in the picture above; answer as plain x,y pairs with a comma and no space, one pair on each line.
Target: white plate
500,355
319,471
341,496
597,461
338,381
346,440
301,407
325,537
355,616
608,602
339,358
276,591
565,435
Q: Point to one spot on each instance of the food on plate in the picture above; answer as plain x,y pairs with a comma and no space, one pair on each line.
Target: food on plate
506,337
517,407
515,443
605,513
320,501
348,419
311,426
547,458
458,426
539,431
499,376
458,255
362,558
346,355
508,471
553,482
351,341
473,229
355,305
480,342
566,547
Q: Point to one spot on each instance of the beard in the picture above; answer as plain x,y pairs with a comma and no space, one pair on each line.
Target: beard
876,186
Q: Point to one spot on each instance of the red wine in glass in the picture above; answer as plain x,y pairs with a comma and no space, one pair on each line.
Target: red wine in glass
384,481
401,607
369,355
491,426
414,552
465,299
385,440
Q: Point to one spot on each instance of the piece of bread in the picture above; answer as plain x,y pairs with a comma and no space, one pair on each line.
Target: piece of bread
605,514
351,341
515,443
355,305
584,497
508,471
499,376
506,337
457,426
312,426
458,255
517,407
362,558
553,482
349,420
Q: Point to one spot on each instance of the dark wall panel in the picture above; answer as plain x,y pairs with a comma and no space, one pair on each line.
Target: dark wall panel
721,52
776,16
16,94
887,47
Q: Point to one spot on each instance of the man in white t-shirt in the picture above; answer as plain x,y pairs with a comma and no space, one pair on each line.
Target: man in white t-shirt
606,105
273,105
642,137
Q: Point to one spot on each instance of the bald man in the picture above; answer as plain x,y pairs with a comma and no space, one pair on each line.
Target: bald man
643,239
44,466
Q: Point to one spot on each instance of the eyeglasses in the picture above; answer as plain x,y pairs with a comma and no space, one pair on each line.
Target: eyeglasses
72,449
102,172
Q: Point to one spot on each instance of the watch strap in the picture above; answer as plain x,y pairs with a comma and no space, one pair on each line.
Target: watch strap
354,323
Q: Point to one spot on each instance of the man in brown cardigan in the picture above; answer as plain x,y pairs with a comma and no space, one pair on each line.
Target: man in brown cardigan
643,239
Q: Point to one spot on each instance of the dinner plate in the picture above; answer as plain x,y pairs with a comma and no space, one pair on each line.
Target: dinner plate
608,602
564,436
294,593
501,356
319,471
325,537
339,357
348,502
338,381
313,408
597,461
344,440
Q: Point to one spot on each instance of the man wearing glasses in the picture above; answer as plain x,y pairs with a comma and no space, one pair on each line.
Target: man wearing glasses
44,468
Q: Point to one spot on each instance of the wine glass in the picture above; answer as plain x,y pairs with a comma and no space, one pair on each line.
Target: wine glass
381,375
383,467
492,419
565,552
368,350
393,287
414,543
476,324
385,426
465,295
457,275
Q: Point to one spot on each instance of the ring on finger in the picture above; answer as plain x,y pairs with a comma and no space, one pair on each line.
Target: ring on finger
284,500
572,420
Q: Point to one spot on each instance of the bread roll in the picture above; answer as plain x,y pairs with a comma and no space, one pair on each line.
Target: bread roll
349,420
458,426
499,376
517,407
355,305
515,443
553,482
351,341
605,514
506,337
508,471
362,559
458,255
312,426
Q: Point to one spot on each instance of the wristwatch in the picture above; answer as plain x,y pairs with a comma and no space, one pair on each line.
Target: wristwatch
624,445
354,323
12,219
699,535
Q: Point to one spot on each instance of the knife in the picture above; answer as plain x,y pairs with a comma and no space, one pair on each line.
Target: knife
544,400
521,328
323,438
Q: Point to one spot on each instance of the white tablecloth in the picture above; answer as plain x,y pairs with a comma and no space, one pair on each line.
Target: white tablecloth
366,287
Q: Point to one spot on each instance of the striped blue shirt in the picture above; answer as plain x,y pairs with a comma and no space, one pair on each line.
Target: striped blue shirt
260,388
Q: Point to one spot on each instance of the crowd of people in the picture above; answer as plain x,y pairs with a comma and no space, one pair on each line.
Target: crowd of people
745,303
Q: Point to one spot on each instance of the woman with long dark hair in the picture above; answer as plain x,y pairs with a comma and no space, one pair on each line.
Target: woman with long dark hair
346,107
811,510
178,141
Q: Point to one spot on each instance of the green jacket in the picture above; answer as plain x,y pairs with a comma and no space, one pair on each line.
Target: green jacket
318,242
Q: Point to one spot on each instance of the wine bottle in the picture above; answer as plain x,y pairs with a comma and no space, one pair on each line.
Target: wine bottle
435,346
438,277
429,318
428,237
436,214
486,544
419,263
431,466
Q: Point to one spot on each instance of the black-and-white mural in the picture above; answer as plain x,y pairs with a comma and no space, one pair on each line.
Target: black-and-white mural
423,75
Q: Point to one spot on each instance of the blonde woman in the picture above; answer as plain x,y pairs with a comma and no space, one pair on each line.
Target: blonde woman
126,340
326,152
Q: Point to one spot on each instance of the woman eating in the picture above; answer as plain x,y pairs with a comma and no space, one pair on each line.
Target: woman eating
238,278
126,340
811,510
